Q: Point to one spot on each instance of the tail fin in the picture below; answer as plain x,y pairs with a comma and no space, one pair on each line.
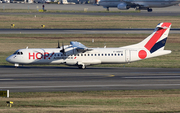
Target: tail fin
153,45
157,40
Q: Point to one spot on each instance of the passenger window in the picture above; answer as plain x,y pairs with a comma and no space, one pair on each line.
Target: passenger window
81,54
121,54
111,54
105,54
108,54
21,53
114,54
102,54
94,54
91,54
98,54
88,54
84,54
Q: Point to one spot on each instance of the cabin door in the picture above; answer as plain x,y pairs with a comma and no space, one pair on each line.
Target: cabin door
127,55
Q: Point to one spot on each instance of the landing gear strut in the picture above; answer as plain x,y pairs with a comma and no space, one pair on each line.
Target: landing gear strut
107,9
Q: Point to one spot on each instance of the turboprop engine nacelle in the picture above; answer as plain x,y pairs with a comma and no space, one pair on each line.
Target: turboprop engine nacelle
123,6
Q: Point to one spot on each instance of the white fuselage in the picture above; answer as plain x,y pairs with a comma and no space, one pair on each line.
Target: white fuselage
72,57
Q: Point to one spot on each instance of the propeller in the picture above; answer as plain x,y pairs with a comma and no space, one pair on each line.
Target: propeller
63,50
58,44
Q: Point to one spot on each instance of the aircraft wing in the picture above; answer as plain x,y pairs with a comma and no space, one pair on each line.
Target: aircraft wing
80,47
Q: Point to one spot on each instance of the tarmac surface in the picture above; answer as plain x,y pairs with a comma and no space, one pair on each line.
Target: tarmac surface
45,79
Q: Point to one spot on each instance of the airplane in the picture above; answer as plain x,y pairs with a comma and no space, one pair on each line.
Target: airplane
77,54
137,4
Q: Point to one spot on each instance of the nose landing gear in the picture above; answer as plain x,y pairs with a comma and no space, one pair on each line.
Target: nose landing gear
16,65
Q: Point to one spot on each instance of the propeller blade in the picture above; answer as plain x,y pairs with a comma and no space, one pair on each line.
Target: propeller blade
58,44
63,50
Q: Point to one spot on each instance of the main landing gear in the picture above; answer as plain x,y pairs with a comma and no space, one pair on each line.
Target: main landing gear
149,10
81,66
141,8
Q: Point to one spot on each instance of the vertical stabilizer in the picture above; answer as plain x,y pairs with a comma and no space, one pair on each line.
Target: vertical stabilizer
157,40
153,45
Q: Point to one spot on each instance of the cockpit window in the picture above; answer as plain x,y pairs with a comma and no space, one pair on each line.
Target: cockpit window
18,53
15,52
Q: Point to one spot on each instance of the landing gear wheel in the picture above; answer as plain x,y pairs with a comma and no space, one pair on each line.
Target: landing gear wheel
149,10
82,67
16,65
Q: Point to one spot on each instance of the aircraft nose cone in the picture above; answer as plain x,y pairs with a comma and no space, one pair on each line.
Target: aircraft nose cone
9,59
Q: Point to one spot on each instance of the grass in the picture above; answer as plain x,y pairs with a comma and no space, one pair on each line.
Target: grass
10,43
84,21
136,101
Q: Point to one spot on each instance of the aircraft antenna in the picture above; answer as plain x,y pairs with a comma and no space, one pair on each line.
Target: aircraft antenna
104,45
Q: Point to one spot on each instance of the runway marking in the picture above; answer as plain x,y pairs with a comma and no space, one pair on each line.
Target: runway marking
6,79
111,75
71,86
156,77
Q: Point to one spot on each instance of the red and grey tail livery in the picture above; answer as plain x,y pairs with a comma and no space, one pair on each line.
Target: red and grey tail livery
154,44
158,37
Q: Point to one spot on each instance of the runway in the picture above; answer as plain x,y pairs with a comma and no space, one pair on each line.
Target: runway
81,31
37,79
